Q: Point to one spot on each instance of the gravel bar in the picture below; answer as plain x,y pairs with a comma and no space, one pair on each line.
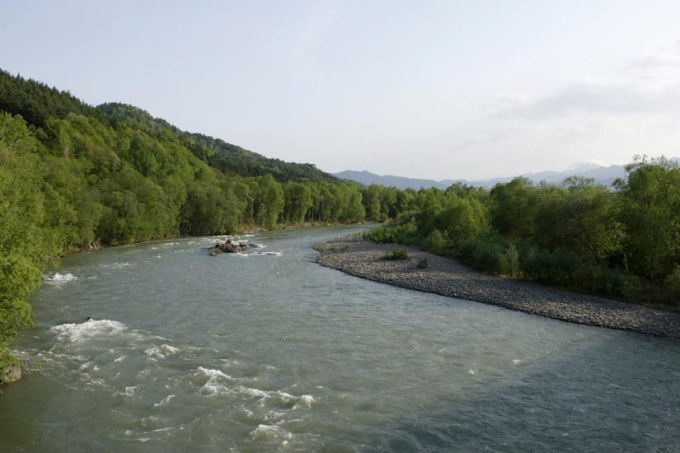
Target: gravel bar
447,277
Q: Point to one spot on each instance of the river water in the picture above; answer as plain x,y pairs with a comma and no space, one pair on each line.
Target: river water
267,351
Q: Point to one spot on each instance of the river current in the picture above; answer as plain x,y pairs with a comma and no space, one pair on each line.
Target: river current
268,351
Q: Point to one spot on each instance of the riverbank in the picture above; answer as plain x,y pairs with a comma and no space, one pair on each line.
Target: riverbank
444,276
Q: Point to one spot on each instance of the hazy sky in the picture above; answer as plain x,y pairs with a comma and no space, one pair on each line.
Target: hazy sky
430,89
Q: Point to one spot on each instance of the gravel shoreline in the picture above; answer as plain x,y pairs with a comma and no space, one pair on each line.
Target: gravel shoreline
444,276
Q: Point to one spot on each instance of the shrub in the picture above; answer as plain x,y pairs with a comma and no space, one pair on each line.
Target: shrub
483,252
508,262
397,253
597,278
435,242
672,282
556,267
404,233
672,285
422,264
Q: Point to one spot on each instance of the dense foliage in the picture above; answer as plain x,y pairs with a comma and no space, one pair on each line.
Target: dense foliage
230,159
75,176
622,241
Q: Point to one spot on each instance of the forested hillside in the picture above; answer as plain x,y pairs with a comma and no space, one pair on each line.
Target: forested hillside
74,176
232,160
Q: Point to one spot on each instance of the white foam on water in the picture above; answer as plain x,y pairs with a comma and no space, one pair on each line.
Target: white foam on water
216,383
116,265
305,401
256,393
269,432
213,373
273,416
59,279
472,372
164,245
286,397
164,401
266,254
222,238
161,352
517,361
120,359
91,382
276,396
149,421
129,391
78,333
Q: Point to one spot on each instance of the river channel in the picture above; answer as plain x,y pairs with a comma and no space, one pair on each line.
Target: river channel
268,351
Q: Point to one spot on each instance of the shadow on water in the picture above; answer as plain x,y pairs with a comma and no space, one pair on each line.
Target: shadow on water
597,396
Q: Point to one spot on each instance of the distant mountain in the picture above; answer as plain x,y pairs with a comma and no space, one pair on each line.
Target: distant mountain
601,174
367,178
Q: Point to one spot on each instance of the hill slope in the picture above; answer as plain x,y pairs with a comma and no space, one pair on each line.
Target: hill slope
232,160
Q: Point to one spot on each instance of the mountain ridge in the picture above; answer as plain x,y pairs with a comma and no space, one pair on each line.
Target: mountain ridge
603,175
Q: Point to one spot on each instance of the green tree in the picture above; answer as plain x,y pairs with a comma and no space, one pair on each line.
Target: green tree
513,208
269,202
372,199
650,214
298,200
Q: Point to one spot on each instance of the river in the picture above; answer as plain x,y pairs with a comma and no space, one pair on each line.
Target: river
267,351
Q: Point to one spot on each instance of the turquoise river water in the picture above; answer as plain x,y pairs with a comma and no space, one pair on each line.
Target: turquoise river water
268,351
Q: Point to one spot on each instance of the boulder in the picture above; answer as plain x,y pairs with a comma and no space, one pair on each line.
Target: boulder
226,247
10,374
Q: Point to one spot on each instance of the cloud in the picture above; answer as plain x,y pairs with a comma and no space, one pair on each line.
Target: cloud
650,85
609,118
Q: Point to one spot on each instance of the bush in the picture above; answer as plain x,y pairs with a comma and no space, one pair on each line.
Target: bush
556,267
672,285
398,253
422,264
404,233
435,243
597,278
672,282
483,252
508,262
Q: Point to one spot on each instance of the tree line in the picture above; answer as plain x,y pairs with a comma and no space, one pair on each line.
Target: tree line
622,241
